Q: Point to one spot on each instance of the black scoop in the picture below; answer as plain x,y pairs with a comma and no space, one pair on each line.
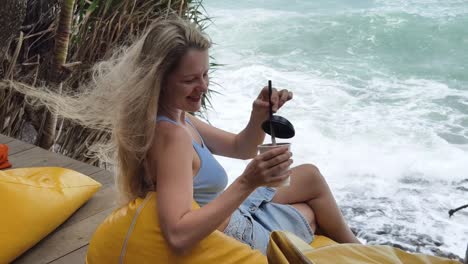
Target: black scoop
282,128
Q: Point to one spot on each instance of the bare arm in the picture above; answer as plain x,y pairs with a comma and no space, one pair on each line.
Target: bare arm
247,140
183,227
240,146
244,144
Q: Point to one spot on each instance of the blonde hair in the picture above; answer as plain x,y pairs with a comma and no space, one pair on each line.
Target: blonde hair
123,98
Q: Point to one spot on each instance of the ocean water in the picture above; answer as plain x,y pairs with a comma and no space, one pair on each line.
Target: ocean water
380,104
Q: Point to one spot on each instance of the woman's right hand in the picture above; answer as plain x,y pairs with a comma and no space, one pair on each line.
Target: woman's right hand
264,169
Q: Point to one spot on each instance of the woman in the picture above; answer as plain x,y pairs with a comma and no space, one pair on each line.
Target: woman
144,95
179,162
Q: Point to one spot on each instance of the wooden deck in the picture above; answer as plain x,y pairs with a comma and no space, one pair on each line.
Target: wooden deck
69,242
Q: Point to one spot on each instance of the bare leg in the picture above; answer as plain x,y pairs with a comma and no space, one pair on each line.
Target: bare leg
308,214
308,187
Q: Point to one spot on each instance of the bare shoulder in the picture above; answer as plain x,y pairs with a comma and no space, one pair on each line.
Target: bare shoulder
169,135
202,125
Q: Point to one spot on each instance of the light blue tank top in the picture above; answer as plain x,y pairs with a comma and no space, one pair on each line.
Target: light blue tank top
211,178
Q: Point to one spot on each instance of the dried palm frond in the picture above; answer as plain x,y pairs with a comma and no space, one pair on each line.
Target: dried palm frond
98,28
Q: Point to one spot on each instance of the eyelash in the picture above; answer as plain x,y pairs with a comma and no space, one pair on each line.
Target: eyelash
194,79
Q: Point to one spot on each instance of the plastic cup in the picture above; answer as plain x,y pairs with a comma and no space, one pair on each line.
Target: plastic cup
265,147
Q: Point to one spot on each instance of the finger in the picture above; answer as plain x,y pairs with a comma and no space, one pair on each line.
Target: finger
283,97
263,93
272,153
278,159
279,178
275,99
261,103
278,169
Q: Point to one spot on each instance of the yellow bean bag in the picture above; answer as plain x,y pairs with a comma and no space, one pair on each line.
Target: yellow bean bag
35,201
132,234
285,248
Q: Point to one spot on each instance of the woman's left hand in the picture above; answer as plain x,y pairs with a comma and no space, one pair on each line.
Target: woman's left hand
278,99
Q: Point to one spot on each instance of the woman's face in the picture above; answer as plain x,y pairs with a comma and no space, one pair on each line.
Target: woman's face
189,81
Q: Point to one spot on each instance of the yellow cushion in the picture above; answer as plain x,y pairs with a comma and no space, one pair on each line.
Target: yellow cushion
285,247
34,201
132,234
321,241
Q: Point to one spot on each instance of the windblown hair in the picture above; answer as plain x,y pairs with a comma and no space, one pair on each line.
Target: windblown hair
123,98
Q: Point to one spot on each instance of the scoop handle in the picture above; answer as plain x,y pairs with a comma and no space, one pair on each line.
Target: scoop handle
272,131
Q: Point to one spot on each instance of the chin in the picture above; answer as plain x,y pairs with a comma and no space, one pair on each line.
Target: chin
195,109
192,108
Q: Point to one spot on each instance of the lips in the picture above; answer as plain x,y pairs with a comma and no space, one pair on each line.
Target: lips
194,99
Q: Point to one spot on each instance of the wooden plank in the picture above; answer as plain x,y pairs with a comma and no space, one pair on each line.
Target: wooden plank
102,200
38,157
104,177
63,241
5,139
68,243
76,257
17,146
82,167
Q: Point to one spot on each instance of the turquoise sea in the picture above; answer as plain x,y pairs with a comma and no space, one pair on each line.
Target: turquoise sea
380,104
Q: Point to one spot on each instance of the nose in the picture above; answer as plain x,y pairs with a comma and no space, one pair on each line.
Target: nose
204,85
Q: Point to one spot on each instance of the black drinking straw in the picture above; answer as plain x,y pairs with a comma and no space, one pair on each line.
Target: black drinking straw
272,131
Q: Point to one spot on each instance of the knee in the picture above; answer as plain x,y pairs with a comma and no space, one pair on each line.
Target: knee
313,173
311,168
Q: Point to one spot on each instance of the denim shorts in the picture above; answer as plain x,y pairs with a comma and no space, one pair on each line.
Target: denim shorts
257,217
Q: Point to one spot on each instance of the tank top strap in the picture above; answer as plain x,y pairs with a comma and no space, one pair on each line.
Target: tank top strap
165,118
190,123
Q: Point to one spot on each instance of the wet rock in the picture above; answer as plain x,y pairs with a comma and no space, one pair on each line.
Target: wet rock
462,182
412,180
466,255
400,236
395,245
444,254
